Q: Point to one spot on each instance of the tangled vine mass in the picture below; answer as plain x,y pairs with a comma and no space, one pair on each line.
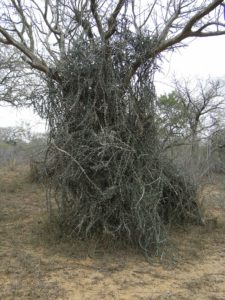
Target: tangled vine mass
108,176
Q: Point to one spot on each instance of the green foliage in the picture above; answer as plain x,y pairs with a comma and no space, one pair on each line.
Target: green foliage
172,115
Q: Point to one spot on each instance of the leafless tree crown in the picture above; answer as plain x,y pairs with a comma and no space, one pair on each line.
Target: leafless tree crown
44,31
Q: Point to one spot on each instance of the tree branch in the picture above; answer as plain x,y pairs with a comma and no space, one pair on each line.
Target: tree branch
198,16
186,32
96,17
112,19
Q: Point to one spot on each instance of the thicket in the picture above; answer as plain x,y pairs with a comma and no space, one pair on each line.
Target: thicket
107,174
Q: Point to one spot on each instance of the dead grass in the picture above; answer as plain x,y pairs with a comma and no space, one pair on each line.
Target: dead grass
38,263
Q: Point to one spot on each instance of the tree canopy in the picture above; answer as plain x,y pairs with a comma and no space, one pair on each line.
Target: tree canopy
190,111
36,35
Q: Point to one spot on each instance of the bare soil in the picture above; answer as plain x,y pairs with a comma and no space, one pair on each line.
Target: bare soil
37,263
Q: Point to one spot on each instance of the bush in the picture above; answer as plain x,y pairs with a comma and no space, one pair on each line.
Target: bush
108,175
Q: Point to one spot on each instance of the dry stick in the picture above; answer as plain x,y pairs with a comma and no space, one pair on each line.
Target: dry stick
81,168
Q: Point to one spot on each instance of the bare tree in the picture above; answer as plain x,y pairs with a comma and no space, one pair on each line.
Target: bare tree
12,135
98,58
200,103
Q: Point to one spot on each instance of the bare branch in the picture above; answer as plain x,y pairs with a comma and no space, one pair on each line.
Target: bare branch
112,19
97,18
25,25
187,30
200,15
45,31
84,23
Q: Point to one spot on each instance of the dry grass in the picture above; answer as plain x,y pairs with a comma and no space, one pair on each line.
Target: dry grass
38,263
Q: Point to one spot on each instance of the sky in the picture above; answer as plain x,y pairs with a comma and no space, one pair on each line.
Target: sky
201,58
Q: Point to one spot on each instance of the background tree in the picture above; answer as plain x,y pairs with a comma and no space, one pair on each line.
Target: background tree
13,135
200,102
97,60
172,121
217,143
190,112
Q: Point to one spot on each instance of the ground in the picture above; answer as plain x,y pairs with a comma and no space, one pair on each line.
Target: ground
36,263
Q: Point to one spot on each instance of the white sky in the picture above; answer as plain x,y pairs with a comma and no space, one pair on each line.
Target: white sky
202,58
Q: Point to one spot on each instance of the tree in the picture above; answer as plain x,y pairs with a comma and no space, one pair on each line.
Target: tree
172,121
98,61
200,102
217,143
13,135
190,111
